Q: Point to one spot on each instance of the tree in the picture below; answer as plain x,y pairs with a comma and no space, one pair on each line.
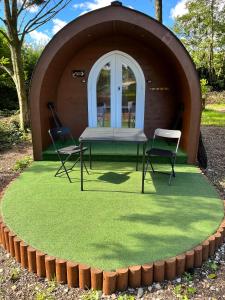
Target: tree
18,23
8,99
30,55
202,30
158,10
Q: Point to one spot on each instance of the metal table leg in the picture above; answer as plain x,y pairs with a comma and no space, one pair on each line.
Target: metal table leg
137,157
81,166
143,170
90,157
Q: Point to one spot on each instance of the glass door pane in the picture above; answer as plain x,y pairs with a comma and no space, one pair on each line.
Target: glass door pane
104,96
128,97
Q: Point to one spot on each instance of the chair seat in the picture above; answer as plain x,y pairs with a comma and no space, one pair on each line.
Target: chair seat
71,149
160,152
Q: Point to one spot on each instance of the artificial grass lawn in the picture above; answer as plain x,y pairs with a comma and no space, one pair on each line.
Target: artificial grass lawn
111,224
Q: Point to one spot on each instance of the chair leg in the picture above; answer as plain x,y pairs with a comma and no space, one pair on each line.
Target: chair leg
71,168
172,174
172,161
63,162
85,167
78,159
153,170
90,157
137,157
146,168
170,178
65,170
149,163
58,171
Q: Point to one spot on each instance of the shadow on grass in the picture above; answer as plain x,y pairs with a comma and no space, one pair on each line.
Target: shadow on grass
147,249
115,178
175,214
186,183
179,233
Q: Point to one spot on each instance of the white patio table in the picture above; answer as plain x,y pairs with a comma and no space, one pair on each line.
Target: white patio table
106,134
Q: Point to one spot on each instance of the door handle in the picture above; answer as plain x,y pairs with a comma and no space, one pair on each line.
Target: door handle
118,88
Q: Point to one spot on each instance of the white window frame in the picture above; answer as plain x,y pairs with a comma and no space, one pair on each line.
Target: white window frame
116,59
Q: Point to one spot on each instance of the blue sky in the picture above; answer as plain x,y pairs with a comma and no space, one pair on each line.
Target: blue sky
42,35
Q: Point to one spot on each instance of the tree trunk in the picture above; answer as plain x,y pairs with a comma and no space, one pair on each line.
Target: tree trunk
211,46
158,10
19,80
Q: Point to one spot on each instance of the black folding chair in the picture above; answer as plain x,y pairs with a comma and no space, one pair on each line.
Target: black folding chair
60,136
160,152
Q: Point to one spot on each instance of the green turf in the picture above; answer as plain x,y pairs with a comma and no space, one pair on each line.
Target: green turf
109,151
111,224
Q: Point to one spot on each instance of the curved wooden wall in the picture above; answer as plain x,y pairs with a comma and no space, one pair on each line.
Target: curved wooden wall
165,62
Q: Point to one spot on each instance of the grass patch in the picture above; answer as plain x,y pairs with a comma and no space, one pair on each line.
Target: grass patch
214,115
111,224
216,107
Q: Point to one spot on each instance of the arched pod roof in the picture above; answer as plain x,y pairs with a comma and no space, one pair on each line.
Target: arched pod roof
109,21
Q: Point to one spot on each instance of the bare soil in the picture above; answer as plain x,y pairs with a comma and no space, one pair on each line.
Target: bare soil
215,97
207,282
8,159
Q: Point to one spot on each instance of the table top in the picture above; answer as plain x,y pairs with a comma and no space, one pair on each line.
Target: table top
102,134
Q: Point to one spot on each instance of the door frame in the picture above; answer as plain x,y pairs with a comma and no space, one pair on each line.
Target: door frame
116,81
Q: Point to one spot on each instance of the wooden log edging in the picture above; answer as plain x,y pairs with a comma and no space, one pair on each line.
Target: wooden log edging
85,277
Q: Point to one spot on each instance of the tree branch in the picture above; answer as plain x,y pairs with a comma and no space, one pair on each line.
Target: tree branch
14,9
22,21
39,24
8,21
5,36
22,7
39,19
38,14
8,70
7,9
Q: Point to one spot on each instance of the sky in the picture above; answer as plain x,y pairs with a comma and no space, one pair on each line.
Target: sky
41,36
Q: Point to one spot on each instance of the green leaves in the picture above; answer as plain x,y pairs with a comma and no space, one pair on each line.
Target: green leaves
92,295
212,276
202,31
184,292
204,86
4,61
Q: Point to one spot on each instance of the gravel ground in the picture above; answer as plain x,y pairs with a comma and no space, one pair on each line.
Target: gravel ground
214,141
205,283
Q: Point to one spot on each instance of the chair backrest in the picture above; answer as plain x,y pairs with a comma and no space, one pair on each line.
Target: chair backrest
60,135
169,134
101,109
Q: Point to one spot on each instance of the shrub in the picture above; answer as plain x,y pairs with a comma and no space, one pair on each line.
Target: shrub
21,164
205,88
8,99
10,134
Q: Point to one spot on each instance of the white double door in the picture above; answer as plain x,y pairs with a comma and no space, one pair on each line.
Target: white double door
116,92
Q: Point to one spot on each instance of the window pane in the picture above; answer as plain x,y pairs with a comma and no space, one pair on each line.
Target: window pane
128,97
103,97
